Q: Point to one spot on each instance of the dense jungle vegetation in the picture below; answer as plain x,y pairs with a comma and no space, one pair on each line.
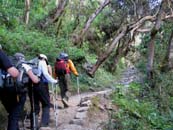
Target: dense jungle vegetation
102,37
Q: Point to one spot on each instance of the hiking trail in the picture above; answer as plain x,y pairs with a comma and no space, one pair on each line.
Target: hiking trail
88,111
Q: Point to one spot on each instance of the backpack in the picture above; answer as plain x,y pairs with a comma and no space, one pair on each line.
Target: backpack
61,67
34,65
19,82
1,79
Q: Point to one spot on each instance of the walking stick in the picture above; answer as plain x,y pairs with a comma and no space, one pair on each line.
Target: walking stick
33,109
55,99
78,89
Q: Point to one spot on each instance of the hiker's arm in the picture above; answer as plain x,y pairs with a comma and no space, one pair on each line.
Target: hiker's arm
13,72
31,75
49,69
46,74
72,68
7,65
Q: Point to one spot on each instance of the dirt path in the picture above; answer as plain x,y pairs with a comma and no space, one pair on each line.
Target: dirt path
74,118
93,119
83,112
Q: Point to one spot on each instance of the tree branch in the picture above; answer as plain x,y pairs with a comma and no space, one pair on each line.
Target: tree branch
127,28
78,38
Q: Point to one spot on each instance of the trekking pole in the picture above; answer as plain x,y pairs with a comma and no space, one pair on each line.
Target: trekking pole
33,109
25,118
55,106
78,89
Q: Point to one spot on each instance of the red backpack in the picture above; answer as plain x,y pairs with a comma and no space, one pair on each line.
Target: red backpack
61,67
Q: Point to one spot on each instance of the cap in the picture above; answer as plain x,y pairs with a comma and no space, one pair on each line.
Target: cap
19,56
43,56
63,55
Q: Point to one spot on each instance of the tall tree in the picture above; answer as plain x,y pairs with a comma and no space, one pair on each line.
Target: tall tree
27,10
168,60
170,51
78,39
132,28
154,31
54,15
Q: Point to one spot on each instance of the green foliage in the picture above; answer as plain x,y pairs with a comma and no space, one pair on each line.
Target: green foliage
9,17
135,113
39,10
75,53
148,108
28,42
103,78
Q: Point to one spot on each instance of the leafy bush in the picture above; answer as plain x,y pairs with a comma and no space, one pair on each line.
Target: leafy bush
138,114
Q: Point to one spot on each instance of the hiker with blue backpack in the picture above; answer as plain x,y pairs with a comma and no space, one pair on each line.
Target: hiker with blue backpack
63,68
41,93
12,95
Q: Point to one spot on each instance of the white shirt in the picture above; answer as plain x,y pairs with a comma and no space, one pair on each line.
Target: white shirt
43,69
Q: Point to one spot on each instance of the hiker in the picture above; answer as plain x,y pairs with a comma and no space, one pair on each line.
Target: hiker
12,99
63,68
41,92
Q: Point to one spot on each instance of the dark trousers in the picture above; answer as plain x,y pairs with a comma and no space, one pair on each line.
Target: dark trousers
41,95
13,104
64,84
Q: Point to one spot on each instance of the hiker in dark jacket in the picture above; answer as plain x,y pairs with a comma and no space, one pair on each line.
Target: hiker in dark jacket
65,78
12,100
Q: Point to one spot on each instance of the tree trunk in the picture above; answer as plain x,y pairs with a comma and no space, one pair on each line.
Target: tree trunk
168,60
60,9
131,27
150,57
27,9
103,57
54,14
151,44
78,39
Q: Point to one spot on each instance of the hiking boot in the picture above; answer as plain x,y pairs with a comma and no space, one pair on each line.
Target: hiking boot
68,94
65,102
66,98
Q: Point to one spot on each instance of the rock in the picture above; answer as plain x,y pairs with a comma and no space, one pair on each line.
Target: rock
102,108
86,103
77,122
72,127
81,115
82,109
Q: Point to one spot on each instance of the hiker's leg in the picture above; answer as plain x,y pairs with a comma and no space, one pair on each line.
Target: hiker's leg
15,113
37,98
68,82
35,106
13,106
62,85
68,86
45,101
63,89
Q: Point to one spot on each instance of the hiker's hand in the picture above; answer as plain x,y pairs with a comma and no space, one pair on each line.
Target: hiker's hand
56,81
26,67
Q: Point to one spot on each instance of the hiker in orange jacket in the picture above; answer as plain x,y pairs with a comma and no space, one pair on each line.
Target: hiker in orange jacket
63,75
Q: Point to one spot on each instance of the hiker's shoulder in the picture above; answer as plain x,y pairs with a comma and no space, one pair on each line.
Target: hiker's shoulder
69,61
